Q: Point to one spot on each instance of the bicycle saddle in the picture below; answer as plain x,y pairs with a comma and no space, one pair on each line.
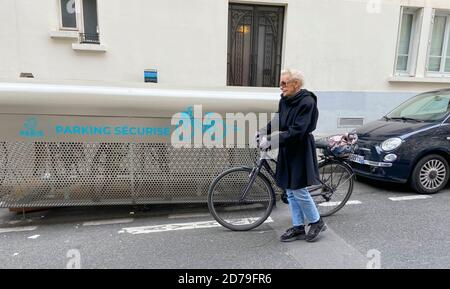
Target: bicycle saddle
322,144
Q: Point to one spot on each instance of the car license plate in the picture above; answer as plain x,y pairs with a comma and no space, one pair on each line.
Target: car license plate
356,158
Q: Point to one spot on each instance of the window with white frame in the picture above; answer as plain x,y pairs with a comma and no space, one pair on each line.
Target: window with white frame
81,15
90,22
408,41
68,18
439,47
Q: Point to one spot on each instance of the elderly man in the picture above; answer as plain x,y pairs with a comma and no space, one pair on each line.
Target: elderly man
297,163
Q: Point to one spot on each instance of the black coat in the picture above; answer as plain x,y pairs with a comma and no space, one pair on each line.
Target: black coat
297,160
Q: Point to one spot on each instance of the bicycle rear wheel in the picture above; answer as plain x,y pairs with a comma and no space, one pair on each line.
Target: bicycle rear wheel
227,206
338,178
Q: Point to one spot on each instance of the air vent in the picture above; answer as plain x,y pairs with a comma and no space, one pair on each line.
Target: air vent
350,121
26,75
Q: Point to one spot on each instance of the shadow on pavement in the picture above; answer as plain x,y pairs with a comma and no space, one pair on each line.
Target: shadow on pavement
94,213
388,186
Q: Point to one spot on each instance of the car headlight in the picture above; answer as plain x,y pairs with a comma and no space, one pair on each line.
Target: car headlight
391,144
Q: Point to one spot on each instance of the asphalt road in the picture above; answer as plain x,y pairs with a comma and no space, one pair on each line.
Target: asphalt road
379,232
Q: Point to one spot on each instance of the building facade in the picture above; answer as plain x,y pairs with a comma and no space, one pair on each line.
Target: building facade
362,57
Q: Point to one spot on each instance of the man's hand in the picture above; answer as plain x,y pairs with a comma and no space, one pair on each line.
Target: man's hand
264,144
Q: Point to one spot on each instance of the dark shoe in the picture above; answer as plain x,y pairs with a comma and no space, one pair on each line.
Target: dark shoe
294,233
314,230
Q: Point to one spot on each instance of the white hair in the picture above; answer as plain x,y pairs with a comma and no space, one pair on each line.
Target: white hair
295,74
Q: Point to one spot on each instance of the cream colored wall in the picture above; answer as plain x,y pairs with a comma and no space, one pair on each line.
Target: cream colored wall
184,40
339,44
9,48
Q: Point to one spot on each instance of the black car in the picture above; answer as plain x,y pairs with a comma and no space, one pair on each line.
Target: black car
410,144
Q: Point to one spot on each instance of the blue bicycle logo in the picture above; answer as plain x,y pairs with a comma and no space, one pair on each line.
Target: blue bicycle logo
30,129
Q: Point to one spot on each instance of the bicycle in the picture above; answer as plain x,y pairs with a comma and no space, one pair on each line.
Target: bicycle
242,198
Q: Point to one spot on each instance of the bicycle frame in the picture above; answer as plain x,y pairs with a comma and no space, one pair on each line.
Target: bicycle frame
324,188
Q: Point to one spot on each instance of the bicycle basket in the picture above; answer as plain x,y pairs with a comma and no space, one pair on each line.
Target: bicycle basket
341,145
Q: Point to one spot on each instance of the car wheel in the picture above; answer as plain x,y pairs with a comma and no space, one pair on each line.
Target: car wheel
430,174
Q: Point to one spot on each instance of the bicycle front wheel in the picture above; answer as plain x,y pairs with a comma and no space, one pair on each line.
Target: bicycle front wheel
337,179
231,208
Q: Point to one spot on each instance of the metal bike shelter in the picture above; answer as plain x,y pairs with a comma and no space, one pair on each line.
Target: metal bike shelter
71,144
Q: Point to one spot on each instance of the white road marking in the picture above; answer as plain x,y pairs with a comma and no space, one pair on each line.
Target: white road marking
331,204
108,222
34,237
15,254
407,198
182,216
18,229
183,226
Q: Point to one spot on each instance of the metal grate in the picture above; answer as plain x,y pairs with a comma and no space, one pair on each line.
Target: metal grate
350,121
89,38
45,174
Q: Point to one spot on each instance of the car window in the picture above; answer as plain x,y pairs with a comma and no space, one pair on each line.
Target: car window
426,107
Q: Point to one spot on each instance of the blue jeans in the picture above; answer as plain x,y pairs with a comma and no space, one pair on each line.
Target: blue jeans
302,206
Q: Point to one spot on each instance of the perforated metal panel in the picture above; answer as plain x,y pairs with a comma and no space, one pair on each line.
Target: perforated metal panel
69,173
